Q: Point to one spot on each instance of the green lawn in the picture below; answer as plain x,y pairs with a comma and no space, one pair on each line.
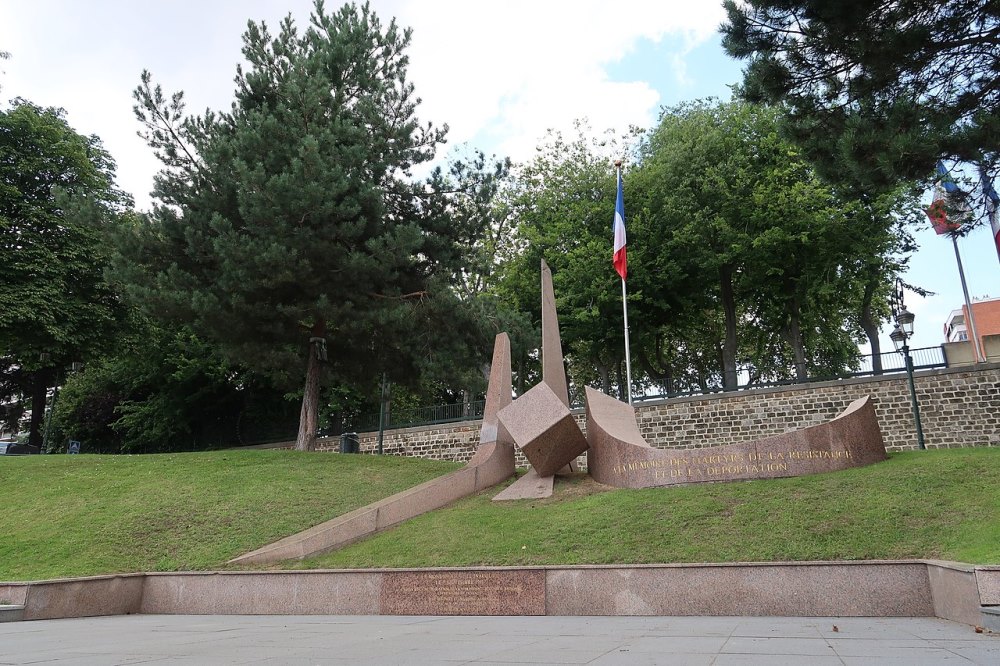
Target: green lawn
89,514
933,504
80,515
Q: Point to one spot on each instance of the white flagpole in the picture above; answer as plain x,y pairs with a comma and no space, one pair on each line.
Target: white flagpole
970,325
628,356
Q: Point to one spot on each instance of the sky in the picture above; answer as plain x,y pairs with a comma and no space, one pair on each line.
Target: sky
499,74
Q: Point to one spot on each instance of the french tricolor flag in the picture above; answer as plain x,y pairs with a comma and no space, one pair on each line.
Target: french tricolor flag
619,230
992,204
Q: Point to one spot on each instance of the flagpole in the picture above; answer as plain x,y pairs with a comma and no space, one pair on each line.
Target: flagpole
977,354
628,355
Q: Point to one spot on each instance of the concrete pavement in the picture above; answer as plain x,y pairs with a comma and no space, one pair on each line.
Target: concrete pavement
243,639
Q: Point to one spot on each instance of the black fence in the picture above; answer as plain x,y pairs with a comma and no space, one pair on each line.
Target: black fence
405,417
924,358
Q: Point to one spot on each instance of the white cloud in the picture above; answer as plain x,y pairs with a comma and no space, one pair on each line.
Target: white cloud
515,70
496,73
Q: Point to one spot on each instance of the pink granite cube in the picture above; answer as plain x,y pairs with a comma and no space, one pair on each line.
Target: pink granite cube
543,429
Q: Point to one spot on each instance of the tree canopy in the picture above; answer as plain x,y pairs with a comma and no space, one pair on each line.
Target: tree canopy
743,264
877,91
58,203
290,228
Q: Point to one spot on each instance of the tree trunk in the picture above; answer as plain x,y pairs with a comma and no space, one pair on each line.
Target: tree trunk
39,398
604,373
870,326
661,371
306,440
622,392
729,376
793,334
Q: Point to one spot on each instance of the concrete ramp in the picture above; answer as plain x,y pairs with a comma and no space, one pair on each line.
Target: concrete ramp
492,463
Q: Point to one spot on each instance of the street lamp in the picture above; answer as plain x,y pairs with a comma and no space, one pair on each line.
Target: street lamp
901,333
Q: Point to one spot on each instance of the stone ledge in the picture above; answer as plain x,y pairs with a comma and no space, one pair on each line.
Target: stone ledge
990,618
906,588
11,613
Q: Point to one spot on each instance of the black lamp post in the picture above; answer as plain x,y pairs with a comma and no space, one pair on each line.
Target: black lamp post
901,332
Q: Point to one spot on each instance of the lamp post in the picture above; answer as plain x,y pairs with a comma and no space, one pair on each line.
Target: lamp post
901,333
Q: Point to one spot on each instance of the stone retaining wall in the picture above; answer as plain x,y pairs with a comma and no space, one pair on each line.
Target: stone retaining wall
959,407
915,588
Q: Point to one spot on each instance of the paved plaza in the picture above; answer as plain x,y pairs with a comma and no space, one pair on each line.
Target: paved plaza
228,639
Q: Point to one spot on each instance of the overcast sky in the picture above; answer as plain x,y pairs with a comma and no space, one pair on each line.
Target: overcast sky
499,74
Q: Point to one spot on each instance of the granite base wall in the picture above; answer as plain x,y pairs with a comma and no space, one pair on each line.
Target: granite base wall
959,407
797,589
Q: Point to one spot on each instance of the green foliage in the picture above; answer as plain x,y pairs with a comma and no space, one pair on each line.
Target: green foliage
740,258
876,92
563,202
83,515
58,203
163,390
764,247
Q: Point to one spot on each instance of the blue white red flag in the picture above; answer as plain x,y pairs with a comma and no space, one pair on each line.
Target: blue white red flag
949,183
938,210
618,226
992,204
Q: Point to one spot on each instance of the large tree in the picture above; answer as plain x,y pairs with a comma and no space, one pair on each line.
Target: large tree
58,201
877,90
767,252
289,227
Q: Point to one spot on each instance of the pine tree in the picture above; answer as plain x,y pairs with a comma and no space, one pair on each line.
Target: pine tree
877,91
290,226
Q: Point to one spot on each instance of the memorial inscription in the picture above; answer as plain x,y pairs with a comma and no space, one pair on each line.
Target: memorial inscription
463,593
748,464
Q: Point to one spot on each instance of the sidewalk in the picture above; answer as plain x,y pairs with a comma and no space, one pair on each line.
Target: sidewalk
219,639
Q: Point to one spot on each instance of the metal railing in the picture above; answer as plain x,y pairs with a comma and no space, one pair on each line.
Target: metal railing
406,417
924,358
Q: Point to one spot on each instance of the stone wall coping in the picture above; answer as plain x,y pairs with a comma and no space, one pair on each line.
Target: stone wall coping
77,579
957,566
847,381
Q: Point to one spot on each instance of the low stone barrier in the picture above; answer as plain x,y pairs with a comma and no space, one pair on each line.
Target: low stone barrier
909,588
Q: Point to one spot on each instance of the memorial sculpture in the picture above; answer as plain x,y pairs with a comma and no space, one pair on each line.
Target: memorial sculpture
540,424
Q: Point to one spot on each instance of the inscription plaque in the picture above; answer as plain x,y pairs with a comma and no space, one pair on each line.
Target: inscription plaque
463,593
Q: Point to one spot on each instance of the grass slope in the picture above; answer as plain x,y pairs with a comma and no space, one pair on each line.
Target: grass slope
89,514
936,504
82,515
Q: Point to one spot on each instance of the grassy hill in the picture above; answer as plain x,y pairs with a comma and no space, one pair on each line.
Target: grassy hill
80,515
90,514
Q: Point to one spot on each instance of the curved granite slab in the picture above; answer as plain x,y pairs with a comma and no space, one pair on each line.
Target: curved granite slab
492,463
619,456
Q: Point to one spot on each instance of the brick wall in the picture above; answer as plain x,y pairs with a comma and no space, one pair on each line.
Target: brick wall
958,407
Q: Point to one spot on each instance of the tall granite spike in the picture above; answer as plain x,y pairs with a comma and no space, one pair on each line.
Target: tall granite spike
498,393
553,372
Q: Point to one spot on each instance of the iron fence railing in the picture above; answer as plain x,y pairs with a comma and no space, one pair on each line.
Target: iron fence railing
891,362
405,417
